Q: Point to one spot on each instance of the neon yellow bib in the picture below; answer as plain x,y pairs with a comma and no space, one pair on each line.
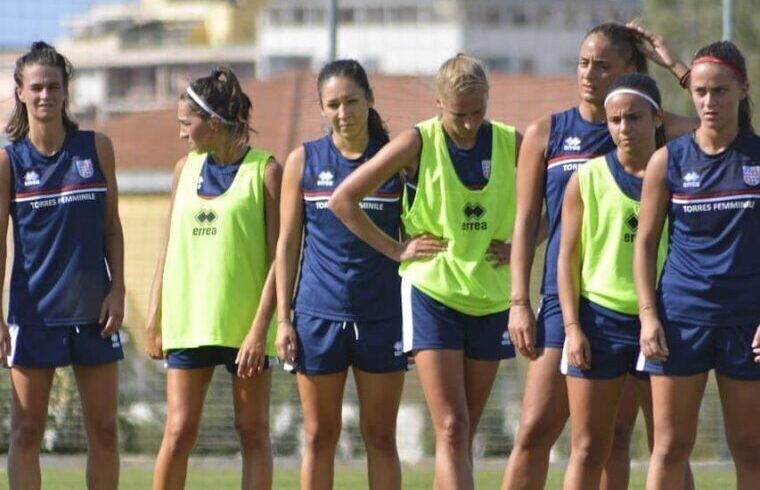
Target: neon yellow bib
216,261
608,232
461,277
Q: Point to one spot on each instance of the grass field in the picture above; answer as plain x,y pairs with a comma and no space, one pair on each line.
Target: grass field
351,477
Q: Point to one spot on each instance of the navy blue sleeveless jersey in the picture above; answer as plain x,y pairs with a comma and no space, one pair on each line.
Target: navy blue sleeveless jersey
572,142
342,278
58,208
630,185
711,275
216,178
473,165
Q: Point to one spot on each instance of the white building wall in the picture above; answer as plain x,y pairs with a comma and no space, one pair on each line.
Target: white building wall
405,49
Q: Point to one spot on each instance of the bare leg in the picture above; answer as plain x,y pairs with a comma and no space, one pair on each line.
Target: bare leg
442,376
99,391
185,393
479,377
31,391
250,397
617,469
644,393
593,409
675,405
543,416
321,400
741,406
379,399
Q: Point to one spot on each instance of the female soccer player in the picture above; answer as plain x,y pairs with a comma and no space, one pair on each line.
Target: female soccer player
348,304
458,209
595,274
554,147
67,285
704,314
213,297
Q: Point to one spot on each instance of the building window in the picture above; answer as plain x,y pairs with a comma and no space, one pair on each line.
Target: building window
374,15
346,16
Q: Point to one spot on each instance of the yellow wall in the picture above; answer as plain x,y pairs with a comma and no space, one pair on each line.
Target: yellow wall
144,219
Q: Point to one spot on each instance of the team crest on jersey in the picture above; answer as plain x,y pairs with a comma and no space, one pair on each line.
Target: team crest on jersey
572,143
325,178
751,174
84,167
692,180
485,166
31,178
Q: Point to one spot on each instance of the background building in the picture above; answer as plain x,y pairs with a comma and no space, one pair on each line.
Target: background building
138,57
415,36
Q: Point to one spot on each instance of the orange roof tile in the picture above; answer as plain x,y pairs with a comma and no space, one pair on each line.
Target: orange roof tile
286,113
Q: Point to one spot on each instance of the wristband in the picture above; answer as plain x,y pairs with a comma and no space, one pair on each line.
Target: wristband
520,302
683,81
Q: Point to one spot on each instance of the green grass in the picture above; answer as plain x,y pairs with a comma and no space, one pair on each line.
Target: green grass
345,479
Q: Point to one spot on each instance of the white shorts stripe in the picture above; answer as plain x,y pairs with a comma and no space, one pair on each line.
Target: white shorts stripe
13,330
640,362
563,360
407,327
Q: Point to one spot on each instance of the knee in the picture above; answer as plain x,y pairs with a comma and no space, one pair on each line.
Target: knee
536,434
454,430
321,437
104,435
621,437
253,433
379,437
179,437
25,435
745,450
672,449
589,453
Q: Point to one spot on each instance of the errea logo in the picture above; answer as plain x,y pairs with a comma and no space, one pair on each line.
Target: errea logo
691,180
572,143
31,178
325,178
473,217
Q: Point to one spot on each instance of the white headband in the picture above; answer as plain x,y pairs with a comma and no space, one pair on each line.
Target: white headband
624,90
205,106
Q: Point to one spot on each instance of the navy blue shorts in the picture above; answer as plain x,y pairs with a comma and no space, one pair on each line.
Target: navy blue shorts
205,356
614,341
429,324
329,346
41,347
697,349
550,329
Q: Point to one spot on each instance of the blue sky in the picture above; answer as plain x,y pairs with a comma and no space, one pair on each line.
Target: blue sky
25,21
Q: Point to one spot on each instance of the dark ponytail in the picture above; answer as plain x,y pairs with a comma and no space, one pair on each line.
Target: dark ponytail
625,41
729,53
41,53
354,71
222,93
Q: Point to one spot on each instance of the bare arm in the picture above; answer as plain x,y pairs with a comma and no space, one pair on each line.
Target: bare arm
252,352
152,340
568,275
5,203
531,172
400,154
288,250
655,196
112,309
